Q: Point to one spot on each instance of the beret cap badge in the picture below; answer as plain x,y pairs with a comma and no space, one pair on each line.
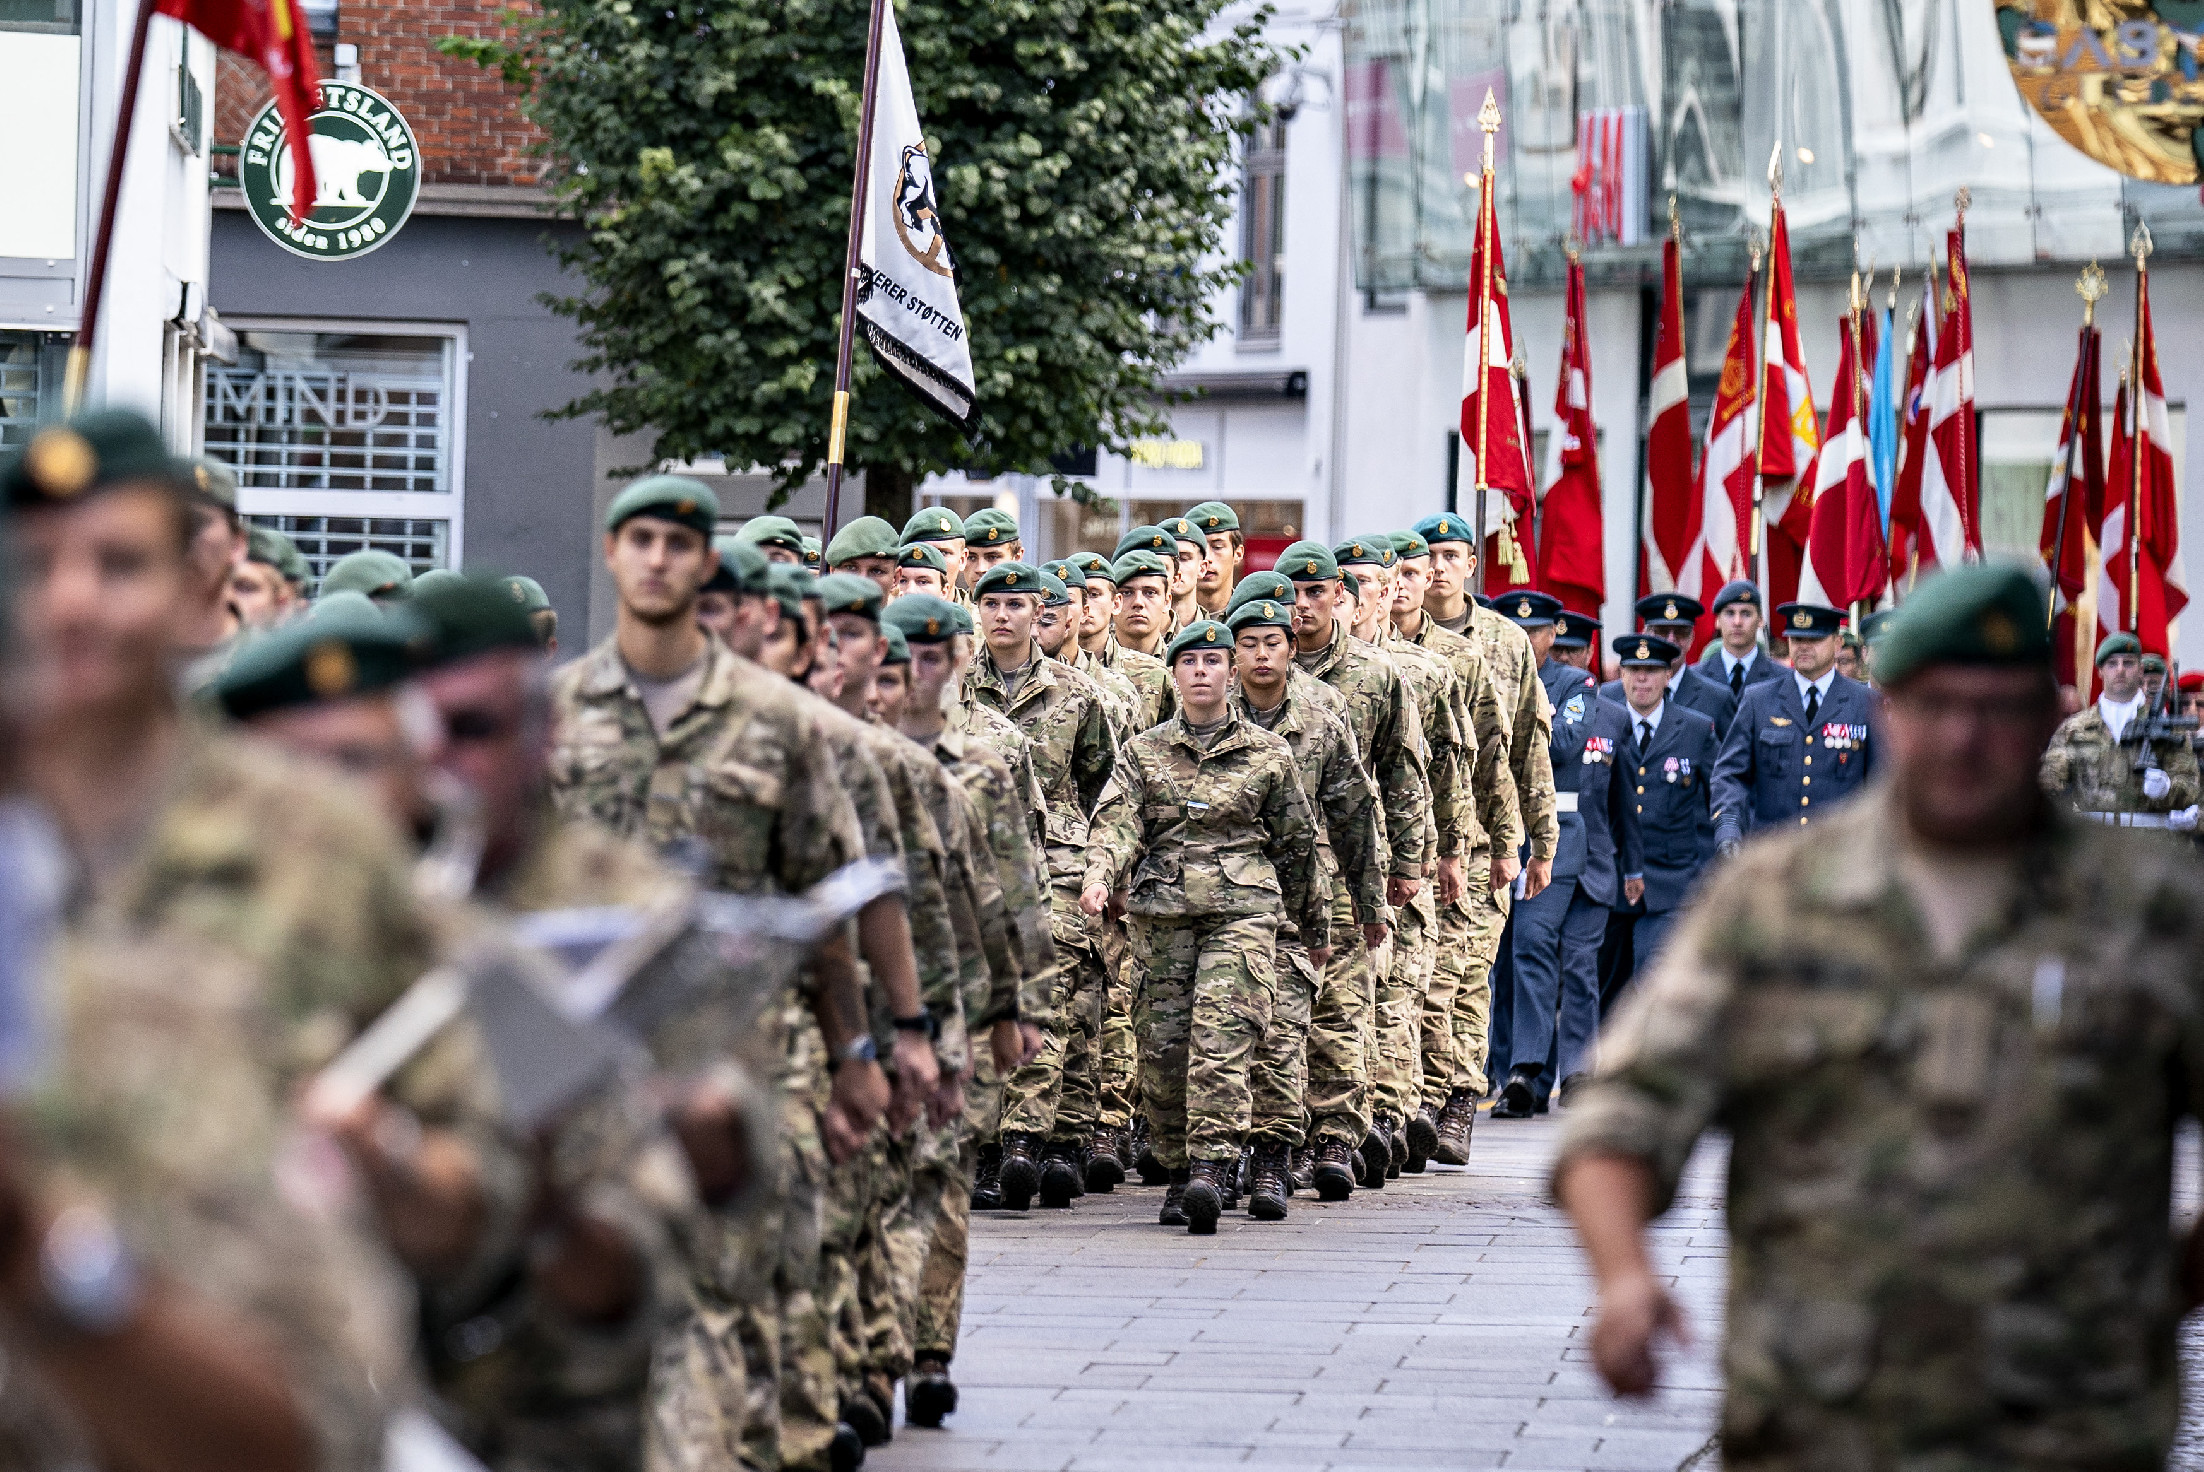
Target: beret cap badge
1212,521
1998,632
1270,610
61,461
1645,650
1523,609
330,670
1802,620
1209,636
1443,526
1668,609
1011,578
933,627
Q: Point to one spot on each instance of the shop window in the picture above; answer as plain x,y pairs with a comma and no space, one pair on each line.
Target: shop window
1263,234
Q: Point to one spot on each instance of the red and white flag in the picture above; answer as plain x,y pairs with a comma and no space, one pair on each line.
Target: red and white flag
1492,415
1914,446
272,34
1572,553
1671,511
1844,559
2073,502
2139,501
1722,550
1789,435
1951,473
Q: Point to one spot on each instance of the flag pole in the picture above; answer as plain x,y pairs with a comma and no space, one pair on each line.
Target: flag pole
1760,361
2139,246
2089,288
79,368
853,272
1488,119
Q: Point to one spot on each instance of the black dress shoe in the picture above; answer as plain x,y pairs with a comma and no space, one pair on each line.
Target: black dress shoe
1516,1100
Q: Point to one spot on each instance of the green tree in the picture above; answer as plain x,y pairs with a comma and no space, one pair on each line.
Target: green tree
1082,152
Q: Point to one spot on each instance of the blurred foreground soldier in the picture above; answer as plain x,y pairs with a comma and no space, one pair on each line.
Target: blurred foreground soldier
1219,526
383,576
1952,1033
1669,764
1799,744
2110,763
1205,827
170,1306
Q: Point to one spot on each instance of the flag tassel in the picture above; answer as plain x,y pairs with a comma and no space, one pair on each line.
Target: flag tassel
853,269
79,367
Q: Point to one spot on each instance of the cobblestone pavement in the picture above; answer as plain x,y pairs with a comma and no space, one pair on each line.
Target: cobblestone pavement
1438,1323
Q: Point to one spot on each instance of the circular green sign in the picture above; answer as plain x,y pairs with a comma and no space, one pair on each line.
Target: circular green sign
367,174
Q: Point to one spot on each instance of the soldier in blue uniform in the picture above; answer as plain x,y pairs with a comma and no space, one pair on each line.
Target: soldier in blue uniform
1576,641
1736,660
1799,744
1670,761
1672,618
1555,1012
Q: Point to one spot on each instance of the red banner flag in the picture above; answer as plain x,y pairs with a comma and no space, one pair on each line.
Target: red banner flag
273,34
1572,553
1913,442
1492,417
1671,511
1951,473
1722,550
1844,559
2139,502
1789,436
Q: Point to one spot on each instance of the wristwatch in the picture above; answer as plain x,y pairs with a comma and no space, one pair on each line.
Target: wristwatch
90,1283
924,1022
858,1050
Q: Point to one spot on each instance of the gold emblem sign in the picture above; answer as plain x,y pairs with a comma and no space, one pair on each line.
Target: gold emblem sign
2118,79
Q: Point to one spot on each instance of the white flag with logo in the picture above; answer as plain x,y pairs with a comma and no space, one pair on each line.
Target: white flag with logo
910,310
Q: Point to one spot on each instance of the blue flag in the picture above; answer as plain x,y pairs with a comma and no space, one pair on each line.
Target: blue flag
1882,417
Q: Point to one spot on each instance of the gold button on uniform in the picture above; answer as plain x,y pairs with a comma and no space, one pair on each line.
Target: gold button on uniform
1804,800
1641,792
1809,761
1805,781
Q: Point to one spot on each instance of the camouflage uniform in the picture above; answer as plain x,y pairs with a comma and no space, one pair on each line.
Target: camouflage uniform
2087,768
1148,676
1118,1056
1388,730
1949,1173
1216,844
746,785
1064,717
1353,857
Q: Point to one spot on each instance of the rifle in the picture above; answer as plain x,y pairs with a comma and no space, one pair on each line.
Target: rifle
2161,720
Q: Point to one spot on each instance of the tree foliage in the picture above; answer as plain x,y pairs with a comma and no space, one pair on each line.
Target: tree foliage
1082,152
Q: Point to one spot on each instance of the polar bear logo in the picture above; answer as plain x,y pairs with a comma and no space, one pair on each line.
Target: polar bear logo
339,164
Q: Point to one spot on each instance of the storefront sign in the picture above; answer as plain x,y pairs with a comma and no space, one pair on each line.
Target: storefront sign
367,174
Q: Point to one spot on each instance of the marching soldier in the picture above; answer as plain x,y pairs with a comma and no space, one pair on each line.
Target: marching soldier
1672,618
1576,642
780,539
1188,552
938,527
1799,744
2100,763
1672,754
1098,641
1206,829
990,539
1536,616
867,547
1144,621
921,567
1219,525
1736,659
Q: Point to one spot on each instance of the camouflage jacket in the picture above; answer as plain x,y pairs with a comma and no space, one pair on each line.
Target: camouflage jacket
1062,713
1126,700
2087,768
1226,831
1388,731
966,895
1340,791
1522,701
1492,777
1453,831
1148,676
996,732
743,787
1948,1175
1023,958
918,784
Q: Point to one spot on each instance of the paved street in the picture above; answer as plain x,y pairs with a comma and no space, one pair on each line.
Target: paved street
1440,1323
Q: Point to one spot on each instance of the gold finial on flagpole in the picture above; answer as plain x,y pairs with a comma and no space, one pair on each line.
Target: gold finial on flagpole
1961,203
2092,288
2140,245
1755,246
1895,273
1675,221
1488,118
1775,170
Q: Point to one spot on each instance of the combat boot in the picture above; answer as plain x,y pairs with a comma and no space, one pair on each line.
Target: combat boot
1399,1132
862,1414
1174,1199
1059,1175
1377,1153
1204,1198
1127,1153
1268,1184
1301,1172
1456,1121
929,1394
1020,1176
1152,1171
1422,1137
1335,1172
1103,1169
1228,1180
846,1453
987,1179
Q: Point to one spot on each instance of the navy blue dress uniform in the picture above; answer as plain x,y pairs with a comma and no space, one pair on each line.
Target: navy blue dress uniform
1670,769
1788,757
1575,631
1555,1015
1759,669
1671,617
1527,610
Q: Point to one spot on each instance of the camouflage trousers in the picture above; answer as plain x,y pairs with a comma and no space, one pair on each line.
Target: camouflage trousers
1457,1009
871,1192
706,1397
1342,1038
1278,1081
1056,1096
1118,1072
808,1283
937,1168
941,1282
1397,1073
1205,997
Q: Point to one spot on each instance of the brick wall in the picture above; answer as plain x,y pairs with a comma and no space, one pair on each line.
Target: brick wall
467,119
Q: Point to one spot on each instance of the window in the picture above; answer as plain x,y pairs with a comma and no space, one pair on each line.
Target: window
1263,233
346,438
30,382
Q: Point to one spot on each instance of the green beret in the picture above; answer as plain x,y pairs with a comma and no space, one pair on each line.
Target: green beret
867,536
742,566
211,480
295,566
990,528
340,651
921,618
1202,633
1261,613
933,524
435,577
846,592
898,648
1053,592
1214,516
468,616
1447,526
1008,577
1352,583
922,554
1308,562
813,554
1147,539
2154,664
1091,566
772,531
1377,551
1275,586
92,451
1982,613
1409,544
669,498
788,585
344,598
963,615
1876,624
2118,644
372,571
1067,572
527,592
267,545
1140,563
1182,530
